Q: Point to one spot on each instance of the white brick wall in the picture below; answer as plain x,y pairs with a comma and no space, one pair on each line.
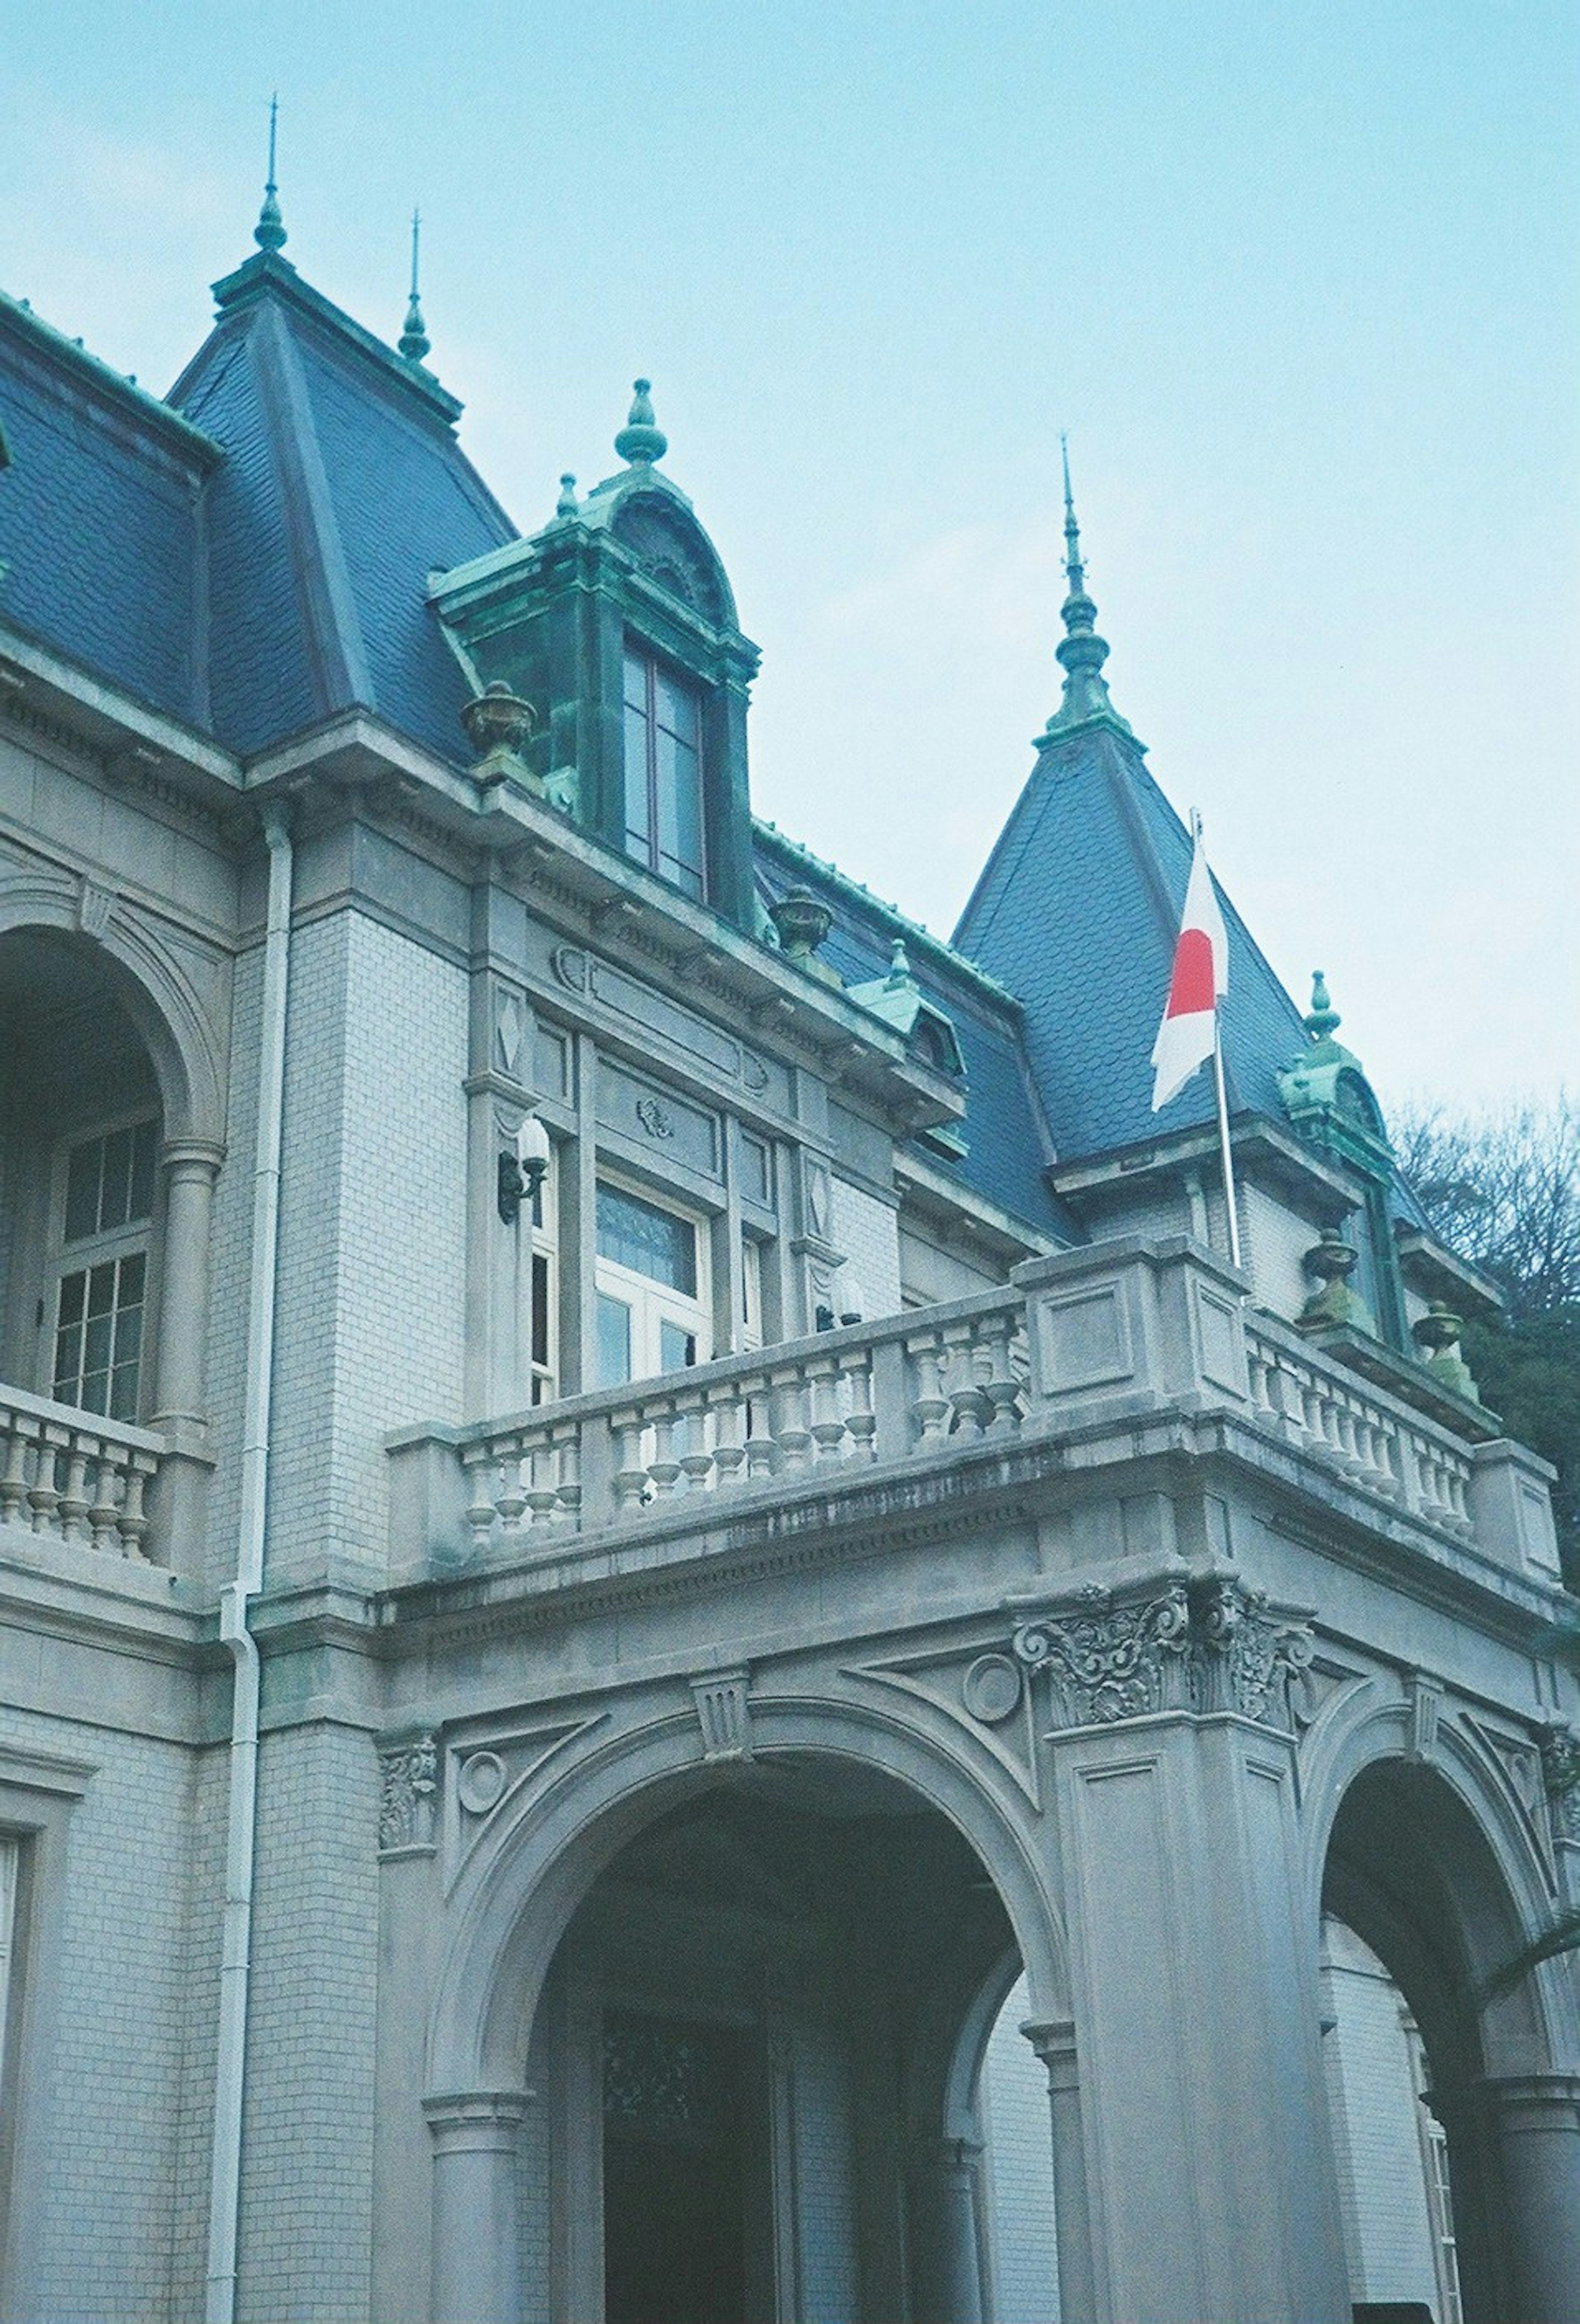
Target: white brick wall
867,1231
112,2087
1018,2172
1376,2127
825,2182
307,2195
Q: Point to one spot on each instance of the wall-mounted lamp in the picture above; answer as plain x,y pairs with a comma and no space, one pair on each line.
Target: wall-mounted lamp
853,1302
523,1168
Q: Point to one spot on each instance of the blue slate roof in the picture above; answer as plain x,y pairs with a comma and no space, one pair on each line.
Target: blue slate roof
1078,911
1006,1152
251,557
342,490
100,549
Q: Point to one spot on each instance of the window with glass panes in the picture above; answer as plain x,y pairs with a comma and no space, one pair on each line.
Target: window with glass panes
663,772
102,1280
650,1286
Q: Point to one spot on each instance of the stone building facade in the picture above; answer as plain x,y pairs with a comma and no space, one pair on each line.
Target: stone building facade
639,1517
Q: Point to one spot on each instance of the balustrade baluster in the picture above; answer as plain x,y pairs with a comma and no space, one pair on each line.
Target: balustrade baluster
133,1523
761,1446
566,1507
861,1421
729,1450
104,1515
72,1512
696,1460
483,1482
542,1474
510,1497
630,1468
43,1495
15,1483
828,1420
930,1407
793,1435
664,1470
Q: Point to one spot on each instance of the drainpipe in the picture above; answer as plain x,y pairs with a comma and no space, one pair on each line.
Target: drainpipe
230,2069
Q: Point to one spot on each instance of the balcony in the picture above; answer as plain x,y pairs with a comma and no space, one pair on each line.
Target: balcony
1120,1351
75,1476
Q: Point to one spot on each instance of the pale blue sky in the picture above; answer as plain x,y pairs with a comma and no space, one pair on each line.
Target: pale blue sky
1301,282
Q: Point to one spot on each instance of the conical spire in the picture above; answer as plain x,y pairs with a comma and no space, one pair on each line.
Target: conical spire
269,234
414,341
642,441
1081,652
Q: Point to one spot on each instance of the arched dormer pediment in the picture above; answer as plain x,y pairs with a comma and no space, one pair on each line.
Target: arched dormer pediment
672,549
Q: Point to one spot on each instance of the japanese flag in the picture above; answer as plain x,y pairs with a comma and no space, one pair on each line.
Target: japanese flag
1201,975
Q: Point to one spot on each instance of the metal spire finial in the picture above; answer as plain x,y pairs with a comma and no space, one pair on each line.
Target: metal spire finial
269,234
414,341
1081,652
1074,571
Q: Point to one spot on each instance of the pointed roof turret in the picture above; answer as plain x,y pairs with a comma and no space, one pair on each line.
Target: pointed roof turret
1082,652
642,441
269,234
414,341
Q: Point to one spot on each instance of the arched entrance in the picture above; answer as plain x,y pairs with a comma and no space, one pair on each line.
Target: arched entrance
1411,1872
743,2077
108,1156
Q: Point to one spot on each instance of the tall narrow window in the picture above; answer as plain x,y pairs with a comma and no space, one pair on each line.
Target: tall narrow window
102,1279
652,1293
663,773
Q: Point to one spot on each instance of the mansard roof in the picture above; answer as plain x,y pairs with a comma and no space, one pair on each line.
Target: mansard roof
1006,1150
1076,910
100,545
342,490
252,556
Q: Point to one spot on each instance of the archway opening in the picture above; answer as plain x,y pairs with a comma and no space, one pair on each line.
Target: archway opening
82,1121
1416,1915
749,2046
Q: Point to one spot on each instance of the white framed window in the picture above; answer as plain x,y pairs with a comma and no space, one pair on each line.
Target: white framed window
663,770
749,1323
98,1298
542,1320
652,1285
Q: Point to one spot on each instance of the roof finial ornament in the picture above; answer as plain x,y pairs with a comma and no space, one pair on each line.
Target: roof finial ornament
642,441
414,341
1081,652
1323,1020
269,234
566,504
1074,571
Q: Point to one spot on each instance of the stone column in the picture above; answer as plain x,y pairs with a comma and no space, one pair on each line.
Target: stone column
1535,2121
1054,2044
945,2240
476,2238
1183,1870
191,1168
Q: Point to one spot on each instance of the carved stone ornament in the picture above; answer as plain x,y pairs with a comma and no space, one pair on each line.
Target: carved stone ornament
407,1783
724,1712
1110,1662
1246,1656
655,1116
1560,1768
1213,1646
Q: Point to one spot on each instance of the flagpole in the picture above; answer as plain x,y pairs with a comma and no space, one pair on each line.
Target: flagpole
1224,1149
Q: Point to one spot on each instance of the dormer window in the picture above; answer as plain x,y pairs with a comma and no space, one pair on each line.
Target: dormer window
663,772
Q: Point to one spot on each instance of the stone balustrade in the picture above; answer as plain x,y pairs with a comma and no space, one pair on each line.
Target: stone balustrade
838,1402
1120,1333
74,1476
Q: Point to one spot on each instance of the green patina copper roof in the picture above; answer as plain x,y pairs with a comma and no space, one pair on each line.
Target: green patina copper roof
1325,1086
